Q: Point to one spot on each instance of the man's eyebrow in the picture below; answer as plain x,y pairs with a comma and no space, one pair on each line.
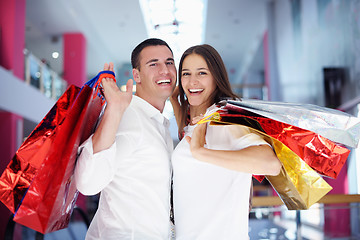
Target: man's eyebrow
156,60
152,60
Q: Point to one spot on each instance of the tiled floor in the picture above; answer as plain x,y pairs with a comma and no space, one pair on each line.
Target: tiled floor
264,229
259,229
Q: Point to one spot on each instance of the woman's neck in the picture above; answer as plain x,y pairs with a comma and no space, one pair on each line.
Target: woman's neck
195,111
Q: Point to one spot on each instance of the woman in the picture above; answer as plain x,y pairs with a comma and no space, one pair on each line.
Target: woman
213,164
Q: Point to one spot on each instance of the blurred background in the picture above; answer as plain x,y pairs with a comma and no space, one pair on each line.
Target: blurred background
300,51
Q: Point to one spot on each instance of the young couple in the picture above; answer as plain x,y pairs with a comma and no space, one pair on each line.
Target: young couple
130,157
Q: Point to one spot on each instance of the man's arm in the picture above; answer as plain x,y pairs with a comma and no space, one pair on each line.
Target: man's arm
94,171
117,102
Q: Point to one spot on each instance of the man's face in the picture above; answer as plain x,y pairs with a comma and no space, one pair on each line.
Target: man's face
157,76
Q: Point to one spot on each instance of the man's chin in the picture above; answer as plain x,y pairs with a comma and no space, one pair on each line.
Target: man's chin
166,92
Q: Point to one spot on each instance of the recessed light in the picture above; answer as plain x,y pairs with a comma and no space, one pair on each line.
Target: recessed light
55,55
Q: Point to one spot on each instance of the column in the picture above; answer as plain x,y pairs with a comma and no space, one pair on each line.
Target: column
12,35
75,58
12,43
272,81
75,72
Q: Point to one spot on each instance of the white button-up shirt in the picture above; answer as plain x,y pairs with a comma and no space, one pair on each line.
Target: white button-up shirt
133,176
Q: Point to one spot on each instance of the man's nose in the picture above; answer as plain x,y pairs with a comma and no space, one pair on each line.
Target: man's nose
164,69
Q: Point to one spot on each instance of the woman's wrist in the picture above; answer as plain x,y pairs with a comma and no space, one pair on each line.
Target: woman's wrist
199,153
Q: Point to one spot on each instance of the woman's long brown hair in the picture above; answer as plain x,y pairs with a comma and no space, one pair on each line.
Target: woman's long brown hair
217,68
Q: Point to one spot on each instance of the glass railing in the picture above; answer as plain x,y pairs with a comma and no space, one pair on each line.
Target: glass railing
270,219
42,77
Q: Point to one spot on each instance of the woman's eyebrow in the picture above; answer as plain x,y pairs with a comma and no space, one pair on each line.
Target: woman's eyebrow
201,68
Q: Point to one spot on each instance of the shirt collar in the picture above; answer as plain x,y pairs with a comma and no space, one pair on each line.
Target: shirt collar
150,110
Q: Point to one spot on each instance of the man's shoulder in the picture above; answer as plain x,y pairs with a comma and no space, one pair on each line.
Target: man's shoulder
136,113
141,107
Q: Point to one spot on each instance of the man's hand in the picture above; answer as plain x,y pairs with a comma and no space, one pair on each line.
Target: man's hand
116,100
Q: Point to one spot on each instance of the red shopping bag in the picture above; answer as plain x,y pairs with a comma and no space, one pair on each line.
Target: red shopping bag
38,185
323,155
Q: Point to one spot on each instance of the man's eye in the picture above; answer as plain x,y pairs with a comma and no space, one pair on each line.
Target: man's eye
152,64
170,63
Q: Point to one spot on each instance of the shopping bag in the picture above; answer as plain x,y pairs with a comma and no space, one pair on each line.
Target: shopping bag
37,185
297,184
325,156
335,125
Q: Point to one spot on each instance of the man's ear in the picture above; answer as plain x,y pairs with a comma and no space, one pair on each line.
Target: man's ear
136,75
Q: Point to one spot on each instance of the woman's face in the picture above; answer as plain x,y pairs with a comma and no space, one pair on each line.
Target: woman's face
197,81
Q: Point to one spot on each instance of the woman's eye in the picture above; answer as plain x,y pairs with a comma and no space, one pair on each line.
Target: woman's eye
202,73
186,74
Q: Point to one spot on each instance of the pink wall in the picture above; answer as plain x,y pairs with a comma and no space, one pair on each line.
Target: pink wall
74,58
12,38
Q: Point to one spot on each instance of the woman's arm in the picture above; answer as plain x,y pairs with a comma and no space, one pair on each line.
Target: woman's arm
259,160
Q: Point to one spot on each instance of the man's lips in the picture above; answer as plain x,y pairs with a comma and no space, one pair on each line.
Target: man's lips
163,81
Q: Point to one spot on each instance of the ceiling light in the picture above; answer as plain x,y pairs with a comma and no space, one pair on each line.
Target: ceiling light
55,55
181,23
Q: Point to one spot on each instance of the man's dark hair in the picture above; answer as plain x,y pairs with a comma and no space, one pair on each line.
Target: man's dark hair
135,61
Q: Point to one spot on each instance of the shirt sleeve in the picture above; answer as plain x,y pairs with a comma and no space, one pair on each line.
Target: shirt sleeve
243,137
93,172
232,137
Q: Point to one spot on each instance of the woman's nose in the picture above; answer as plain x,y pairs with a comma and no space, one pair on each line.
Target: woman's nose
193,80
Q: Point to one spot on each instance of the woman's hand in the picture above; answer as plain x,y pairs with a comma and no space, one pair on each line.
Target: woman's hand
197,141
258,159
116,100
196,119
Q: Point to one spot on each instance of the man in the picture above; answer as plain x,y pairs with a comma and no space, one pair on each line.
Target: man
128,157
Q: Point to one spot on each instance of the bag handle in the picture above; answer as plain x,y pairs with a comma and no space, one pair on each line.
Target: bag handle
95,83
